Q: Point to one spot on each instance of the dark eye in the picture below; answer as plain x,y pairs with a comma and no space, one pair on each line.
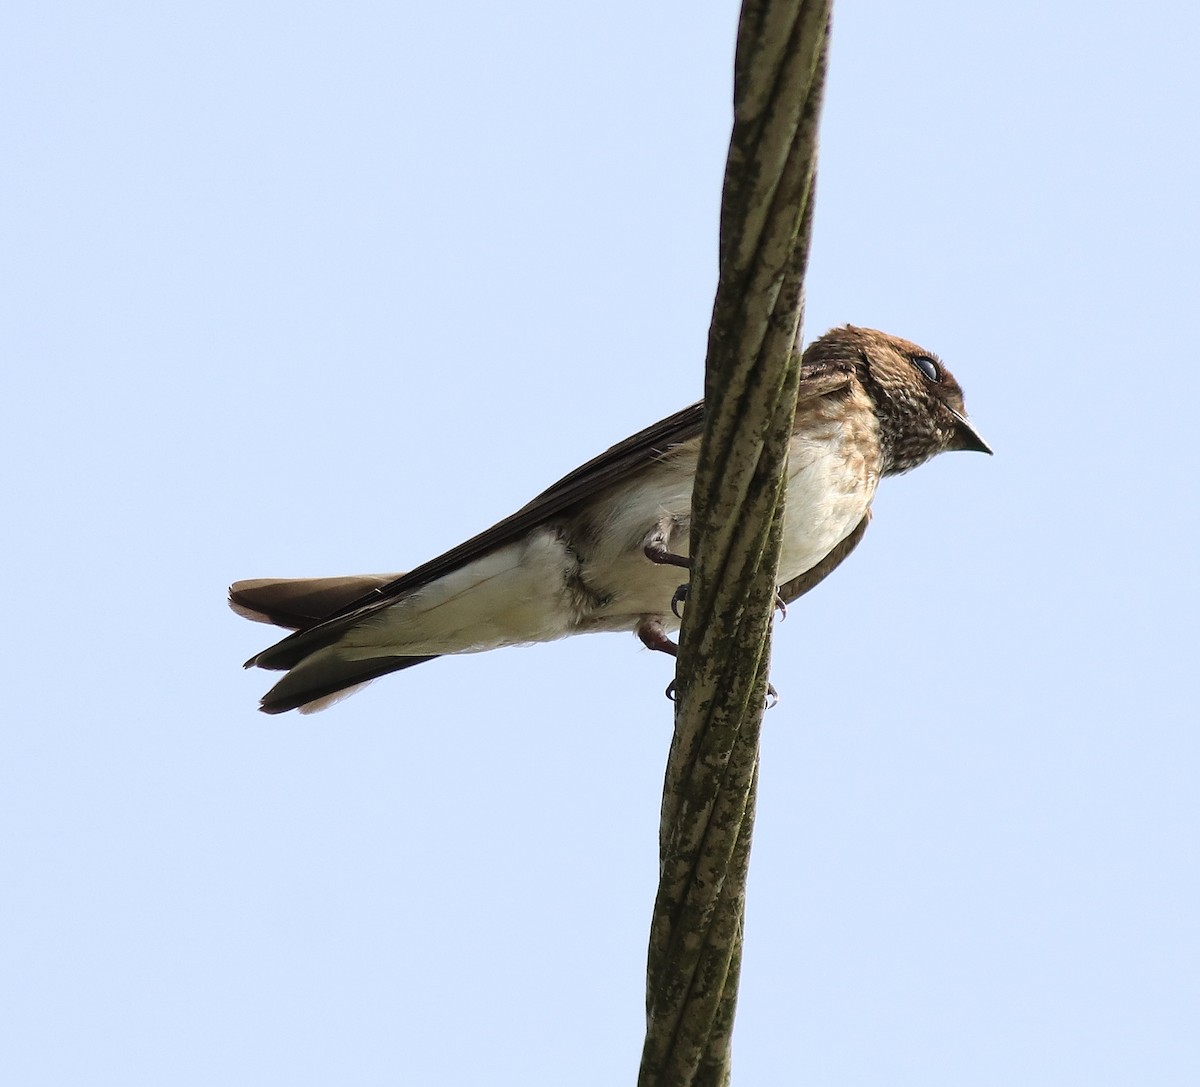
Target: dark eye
928,367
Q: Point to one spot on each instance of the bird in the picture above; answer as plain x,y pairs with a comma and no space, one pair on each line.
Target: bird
601,548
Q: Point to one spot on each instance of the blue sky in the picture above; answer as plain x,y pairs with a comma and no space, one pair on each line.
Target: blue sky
326,288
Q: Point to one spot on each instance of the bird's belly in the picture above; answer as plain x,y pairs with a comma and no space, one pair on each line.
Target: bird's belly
623,584
829,491
639,588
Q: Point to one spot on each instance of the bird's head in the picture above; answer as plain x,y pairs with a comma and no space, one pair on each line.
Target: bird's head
917,400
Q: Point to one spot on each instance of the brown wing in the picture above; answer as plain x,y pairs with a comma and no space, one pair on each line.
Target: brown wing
616,463
810,579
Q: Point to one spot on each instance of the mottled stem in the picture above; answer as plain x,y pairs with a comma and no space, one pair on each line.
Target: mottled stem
753,369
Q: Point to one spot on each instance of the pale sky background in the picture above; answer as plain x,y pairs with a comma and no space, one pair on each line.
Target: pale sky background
325,288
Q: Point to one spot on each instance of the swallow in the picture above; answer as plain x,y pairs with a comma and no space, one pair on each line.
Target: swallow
601,548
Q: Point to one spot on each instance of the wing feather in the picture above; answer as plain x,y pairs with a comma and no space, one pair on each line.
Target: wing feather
614,465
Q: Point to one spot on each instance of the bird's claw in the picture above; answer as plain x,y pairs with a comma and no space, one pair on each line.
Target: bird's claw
679,597
772,699
780,606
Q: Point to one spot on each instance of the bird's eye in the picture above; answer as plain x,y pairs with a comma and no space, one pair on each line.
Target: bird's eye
928,367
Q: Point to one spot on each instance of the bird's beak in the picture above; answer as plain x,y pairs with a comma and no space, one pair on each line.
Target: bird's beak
968,437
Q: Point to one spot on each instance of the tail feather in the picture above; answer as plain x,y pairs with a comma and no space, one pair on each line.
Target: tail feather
319,673
326,677
299,602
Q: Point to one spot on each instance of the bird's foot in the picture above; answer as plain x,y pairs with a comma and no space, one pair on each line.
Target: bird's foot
653,635
656,551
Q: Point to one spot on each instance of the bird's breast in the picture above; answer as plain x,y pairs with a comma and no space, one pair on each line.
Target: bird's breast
832,476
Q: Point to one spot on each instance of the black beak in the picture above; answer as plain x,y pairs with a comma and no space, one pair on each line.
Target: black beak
968,437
